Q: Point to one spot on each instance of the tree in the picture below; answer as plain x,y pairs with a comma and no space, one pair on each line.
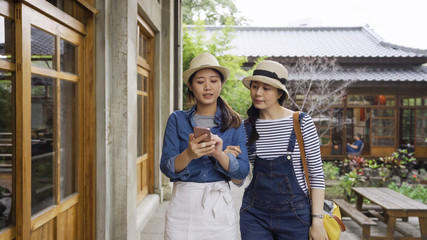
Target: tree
314,89
212,12
196,41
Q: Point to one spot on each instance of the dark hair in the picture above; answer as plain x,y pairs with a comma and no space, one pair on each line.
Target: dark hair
229,117
253,115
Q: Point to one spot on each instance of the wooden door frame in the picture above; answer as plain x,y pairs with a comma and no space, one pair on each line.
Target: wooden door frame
148,65
86,116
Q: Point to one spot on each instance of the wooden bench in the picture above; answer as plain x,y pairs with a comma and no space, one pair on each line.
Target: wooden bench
394,205
357,216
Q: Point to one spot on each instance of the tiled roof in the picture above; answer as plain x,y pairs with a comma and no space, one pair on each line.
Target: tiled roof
314,42
411,73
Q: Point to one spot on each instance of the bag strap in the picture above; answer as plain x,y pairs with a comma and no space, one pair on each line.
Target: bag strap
298,133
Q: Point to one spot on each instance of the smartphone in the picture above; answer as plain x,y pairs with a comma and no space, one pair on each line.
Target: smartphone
199,131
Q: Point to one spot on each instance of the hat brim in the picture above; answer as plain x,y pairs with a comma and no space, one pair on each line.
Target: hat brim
223,70
270,81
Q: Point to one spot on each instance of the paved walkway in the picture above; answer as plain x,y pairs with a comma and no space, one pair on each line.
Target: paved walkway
155,228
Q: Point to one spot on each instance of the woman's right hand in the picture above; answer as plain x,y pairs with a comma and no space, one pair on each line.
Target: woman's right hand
197,148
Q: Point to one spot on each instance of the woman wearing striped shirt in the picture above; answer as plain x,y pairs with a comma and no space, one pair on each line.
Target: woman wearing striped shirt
276,203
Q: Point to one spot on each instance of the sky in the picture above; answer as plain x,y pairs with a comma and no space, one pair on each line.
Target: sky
401,22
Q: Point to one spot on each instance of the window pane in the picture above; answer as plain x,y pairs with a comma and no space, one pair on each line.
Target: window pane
145,126
144,47
407,127
358,122
421,128
383,141
374,100
383,127
139,82
64,5
337,131
42,149
140,43
57,3
140,129
361,100
408,101
381,124
383,113
68,139
42,49
68,57
6,151
7,40
322,123
144,84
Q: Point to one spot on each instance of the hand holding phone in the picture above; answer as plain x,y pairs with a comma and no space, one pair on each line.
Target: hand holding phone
199,131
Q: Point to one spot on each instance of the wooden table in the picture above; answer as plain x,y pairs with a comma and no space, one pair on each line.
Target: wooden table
394,205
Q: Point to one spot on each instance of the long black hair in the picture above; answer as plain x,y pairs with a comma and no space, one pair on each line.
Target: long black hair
253,115
229,117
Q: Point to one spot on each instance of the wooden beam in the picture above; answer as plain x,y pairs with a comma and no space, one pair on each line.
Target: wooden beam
57,14
23,121
88,6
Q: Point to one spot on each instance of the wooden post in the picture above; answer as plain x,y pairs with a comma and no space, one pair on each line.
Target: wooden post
23,122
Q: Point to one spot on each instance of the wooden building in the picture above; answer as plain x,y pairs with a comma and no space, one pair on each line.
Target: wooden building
387,104
86,87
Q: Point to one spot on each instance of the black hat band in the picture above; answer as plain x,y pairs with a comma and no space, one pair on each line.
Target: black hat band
270,75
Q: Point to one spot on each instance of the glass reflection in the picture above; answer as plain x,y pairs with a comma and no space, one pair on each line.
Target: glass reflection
140,129
64,5
42,150
68,57
68,136
42,49
6,151
139,82
145,126
7,43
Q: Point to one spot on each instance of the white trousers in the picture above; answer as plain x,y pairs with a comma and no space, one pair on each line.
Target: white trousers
201,211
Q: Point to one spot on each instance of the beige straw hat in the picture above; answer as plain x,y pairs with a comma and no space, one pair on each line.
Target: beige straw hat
205,60
271,73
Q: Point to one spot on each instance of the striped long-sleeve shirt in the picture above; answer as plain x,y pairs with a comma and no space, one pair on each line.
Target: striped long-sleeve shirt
273,142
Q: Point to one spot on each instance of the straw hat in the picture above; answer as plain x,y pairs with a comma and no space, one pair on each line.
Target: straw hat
271,73
205,60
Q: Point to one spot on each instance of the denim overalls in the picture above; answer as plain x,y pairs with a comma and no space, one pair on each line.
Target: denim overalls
274,206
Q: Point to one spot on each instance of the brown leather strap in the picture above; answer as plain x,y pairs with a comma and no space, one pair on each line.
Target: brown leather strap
342,226
298,133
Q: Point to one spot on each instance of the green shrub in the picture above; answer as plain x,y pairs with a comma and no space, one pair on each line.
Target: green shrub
349,180
335,191
416,191
330,170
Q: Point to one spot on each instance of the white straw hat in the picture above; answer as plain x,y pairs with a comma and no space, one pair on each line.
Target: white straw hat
205,60
271,73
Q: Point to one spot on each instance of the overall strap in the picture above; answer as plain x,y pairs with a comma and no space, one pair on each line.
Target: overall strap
248,130
297,116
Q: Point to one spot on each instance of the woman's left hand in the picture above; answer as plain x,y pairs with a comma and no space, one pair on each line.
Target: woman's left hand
235,150
317,231
218,145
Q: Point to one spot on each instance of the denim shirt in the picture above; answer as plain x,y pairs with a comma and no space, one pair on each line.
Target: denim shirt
205,169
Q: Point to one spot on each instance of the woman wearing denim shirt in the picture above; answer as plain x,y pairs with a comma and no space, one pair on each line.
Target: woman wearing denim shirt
201,206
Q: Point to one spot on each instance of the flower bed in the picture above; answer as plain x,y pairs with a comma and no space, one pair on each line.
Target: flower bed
396,172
